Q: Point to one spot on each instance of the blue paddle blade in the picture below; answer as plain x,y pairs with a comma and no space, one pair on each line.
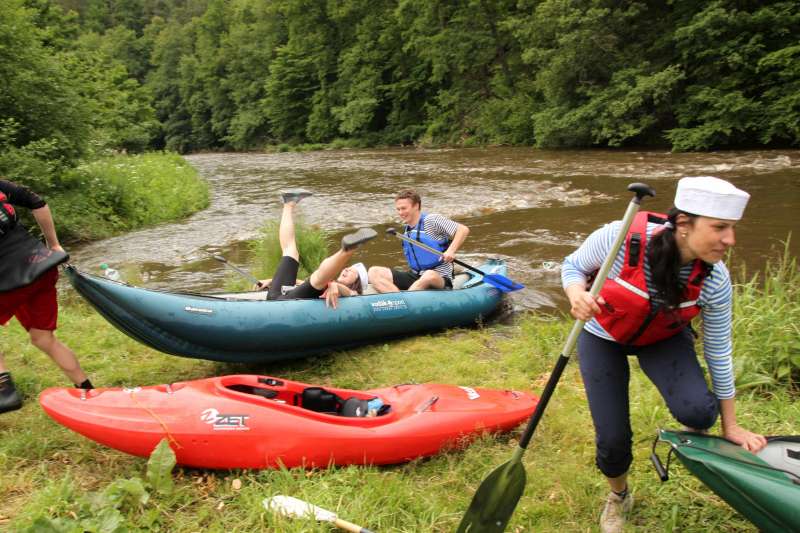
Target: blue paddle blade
502,283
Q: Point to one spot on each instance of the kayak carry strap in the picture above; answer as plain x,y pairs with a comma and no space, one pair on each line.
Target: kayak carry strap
661,470
663,473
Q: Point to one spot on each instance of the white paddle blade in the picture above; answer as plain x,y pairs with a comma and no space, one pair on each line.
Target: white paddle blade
295,508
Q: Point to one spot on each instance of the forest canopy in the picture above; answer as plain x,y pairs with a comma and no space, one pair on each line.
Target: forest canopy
84,77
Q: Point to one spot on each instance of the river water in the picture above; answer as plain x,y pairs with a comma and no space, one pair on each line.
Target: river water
529,207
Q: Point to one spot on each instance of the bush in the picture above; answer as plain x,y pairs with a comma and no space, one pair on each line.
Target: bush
120,193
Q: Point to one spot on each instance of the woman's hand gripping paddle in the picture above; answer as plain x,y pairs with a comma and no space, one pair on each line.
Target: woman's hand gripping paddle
295,508
495,280
497,496
247,275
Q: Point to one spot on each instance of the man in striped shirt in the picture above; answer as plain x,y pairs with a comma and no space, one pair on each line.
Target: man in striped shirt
426,269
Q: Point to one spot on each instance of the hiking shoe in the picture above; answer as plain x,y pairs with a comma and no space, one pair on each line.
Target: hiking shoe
353,240
9,398
294,195
613,518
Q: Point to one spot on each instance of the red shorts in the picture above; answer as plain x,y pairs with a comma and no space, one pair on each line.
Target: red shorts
34,305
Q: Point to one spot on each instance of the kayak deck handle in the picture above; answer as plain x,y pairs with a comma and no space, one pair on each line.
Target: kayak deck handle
427,405
663,473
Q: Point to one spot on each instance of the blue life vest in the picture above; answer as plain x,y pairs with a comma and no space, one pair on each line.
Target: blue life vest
419,259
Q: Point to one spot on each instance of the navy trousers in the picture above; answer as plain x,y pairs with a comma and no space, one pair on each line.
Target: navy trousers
670,364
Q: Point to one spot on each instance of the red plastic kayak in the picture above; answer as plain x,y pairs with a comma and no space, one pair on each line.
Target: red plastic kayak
246,421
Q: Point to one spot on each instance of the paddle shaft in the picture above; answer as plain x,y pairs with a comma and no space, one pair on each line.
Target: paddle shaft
497,496
349,526
641,190
244,273
437,252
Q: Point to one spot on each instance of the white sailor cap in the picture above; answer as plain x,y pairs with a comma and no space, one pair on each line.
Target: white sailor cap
362,274
710,197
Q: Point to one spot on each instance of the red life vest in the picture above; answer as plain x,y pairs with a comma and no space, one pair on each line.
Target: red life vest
8,216
628,314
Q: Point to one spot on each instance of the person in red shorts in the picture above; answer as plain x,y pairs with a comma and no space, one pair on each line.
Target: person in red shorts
28,275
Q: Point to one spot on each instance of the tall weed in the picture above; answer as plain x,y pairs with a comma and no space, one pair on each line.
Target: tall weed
766,326
312,244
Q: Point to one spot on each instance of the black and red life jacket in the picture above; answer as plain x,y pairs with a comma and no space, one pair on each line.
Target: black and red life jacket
8,215
628,315
23,258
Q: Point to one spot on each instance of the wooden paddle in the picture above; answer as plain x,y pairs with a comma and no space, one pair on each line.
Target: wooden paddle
495,280
244,273
497,496
296,508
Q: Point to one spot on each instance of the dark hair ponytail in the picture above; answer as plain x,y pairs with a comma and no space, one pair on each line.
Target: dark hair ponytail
664,259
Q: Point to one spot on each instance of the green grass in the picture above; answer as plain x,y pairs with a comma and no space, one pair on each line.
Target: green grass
767,326
124,192
50,472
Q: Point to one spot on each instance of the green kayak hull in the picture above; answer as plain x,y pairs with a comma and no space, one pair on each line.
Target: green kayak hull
231,328
766,494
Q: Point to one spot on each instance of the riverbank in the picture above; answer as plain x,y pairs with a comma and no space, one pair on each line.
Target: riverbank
50,472
120,193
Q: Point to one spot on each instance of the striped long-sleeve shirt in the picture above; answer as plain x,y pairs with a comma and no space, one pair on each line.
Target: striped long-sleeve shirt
715,301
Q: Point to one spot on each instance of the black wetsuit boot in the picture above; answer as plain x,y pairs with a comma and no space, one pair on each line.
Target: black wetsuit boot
9,398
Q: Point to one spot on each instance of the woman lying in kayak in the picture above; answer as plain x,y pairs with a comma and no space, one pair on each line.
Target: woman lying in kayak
331,279
669,271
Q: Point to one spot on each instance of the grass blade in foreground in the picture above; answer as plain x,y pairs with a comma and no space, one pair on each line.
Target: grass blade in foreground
497,496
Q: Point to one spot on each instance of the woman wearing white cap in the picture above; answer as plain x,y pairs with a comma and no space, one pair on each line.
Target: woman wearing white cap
331,279
669,270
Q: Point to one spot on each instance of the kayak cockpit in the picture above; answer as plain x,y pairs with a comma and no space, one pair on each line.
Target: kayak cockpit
463,280
306,400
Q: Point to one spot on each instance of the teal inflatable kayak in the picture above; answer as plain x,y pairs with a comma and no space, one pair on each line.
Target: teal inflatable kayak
245,328
764,488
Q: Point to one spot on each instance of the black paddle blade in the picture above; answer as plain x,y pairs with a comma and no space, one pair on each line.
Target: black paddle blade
503,283
495,500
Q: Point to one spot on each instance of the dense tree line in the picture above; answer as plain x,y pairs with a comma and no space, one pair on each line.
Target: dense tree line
88,75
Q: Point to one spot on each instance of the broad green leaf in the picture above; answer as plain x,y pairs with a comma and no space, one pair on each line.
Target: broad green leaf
159,468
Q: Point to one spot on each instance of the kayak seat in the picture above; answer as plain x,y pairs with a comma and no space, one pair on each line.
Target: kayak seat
460,279
323,401
320,400
256,391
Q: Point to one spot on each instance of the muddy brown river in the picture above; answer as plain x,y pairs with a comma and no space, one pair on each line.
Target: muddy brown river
529,207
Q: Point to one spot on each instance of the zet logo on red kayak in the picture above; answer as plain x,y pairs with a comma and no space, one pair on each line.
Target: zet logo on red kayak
226,422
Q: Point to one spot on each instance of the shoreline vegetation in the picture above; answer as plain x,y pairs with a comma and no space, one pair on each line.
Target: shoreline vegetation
119,193
56,480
